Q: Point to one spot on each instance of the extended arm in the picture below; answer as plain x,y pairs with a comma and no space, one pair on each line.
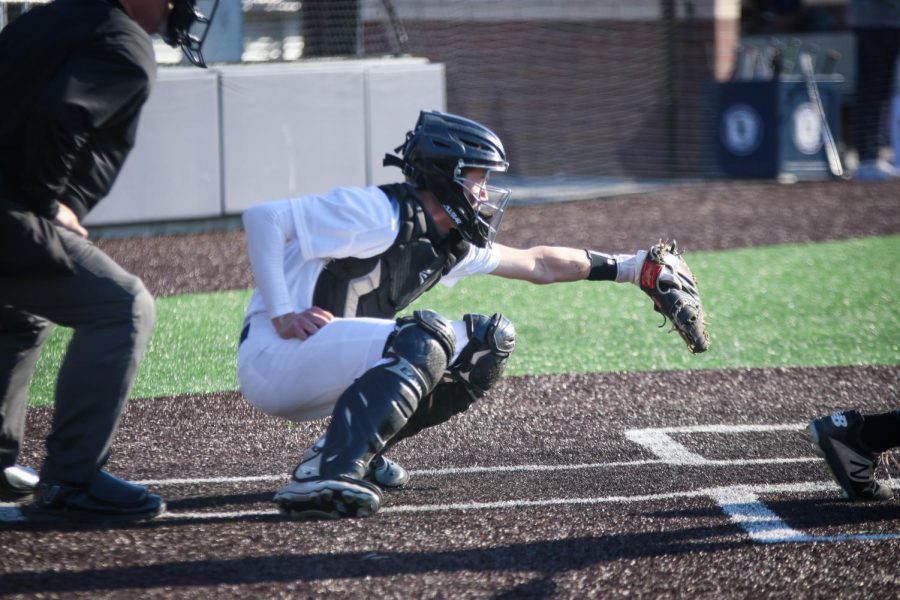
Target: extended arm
660,272
556,264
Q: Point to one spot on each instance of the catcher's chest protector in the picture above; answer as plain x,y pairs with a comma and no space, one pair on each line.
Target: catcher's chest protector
383,285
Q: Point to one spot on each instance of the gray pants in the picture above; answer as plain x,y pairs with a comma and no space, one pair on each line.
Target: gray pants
112,316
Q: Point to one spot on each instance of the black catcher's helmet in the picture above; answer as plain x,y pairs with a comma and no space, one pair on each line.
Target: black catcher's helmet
434,156
177,32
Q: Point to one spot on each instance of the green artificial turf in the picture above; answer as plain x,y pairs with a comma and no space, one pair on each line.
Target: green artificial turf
797,305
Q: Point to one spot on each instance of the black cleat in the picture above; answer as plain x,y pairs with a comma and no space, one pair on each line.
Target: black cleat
836,439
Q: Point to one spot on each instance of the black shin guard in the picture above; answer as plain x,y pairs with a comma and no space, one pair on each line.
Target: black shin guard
478,367
378,405
448,399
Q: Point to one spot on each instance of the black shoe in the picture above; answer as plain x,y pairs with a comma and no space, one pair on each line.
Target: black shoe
17,483
105,499
836,439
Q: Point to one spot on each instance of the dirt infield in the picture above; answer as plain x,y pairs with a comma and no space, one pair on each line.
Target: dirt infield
535,493
542,490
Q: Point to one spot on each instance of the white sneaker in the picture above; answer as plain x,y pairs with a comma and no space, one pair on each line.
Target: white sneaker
17,483
876,170
387,473
382,470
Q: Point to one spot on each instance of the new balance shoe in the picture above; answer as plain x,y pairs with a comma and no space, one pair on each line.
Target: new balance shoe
316,498
104,499
17,483
836,439
382,470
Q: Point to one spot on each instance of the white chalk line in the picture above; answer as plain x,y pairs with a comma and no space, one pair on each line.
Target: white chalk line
491,469
743,507
656,440
659,442
740,503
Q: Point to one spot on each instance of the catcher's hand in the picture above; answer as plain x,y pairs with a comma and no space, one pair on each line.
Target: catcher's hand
668,280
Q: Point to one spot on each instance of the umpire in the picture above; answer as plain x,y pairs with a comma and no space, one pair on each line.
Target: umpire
75,75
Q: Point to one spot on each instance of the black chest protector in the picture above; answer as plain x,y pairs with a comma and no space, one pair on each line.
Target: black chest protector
383,285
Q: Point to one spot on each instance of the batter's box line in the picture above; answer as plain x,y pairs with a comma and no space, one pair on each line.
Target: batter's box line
476,469
659,442
744,508
740,503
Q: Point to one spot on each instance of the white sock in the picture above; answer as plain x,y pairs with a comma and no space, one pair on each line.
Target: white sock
629,267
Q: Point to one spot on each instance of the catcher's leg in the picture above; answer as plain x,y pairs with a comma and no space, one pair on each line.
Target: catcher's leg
367,415
478,367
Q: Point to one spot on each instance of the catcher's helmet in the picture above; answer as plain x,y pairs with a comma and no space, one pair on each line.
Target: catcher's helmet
177,32
434,156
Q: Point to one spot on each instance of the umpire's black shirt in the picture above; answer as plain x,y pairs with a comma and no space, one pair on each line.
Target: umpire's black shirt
74,75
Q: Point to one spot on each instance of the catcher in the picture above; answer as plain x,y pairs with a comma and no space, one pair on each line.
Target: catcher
320,336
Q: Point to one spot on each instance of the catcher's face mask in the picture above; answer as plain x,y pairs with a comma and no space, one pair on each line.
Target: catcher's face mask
488,202
183,16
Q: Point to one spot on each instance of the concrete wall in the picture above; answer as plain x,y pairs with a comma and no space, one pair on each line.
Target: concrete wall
214,142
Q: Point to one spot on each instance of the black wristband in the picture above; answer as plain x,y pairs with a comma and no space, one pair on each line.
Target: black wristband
603,266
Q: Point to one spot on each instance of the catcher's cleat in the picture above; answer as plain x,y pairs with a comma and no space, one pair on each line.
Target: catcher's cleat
316,498
386,473
836,439
17,483
669,282
382,470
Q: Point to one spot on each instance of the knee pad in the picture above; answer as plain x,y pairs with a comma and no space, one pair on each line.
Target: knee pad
482,361
420,348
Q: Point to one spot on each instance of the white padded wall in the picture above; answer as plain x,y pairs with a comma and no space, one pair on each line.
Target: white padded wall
214,142
396,91
291,130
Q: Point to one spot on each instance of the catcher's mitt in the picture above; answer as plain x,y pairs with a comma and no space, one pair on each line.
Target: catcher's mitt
668,280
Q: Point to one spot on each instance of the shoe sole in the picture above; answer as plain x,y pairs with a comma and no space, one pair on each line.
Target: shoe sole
329,500
391,484
75,517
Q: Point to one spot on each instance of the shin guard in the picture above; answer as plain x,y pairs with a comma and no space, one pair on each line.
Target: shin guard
378,404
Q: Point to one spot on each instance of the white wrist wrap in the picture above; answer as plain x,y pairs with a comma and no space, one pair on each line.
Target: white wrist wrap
629,267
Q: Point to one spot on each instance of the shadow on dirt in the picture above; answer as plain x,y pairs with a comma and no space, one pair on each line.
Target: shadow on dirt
548,557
